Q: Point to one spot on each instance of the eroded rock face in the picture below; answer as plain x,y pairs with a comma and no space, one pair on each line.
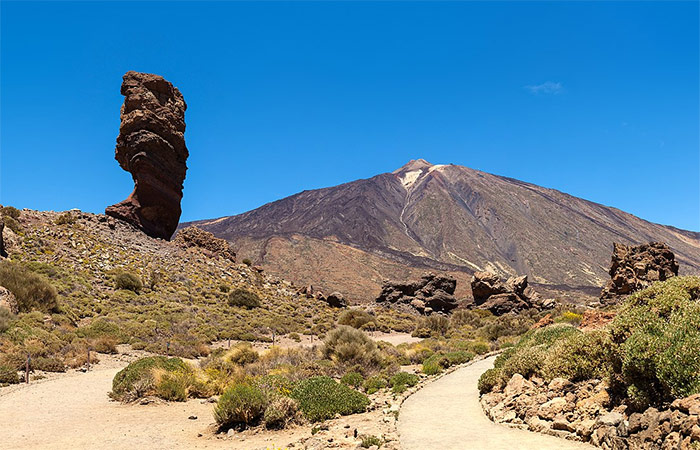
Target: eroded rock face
432,293
499,297
151,146
636,267
3,252
205,241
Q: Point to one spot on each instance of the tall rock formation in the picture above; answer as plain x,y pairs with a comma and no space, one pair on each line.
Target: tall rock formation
151,146
635,267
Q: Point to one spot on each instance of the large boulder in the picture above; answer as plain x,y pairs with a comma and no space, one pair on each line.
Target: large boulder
336,300
205,241
492,293
636,267
151,146
432,293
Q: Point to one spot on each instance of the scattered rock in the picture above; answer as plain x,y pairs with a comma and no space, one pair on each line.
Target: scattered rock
209,244
635,268
151,146
432,293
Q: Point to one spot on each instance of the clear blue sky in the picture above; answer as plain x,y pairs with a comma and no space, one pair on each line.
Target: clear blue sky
597,99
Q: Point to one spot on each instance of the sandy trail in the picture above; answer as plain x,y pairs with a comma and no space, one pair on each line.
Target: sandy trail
74,412
446,414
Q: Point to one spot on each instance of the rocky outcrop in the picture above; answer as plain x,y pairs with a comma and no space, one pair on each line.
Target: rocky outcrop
635,268
492,293
205,241
336,300
432,293
151,146
582,412
8,300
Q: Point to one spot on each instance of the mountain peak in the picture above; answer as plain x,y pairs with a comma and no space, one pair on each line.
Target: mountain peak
412,165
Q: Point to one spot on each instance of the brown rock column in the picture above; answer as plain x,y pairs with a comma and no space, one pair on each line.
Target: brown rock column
151,146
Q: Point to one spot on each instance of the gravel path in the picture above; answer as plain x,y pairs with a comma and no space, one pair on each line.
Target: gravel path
446,414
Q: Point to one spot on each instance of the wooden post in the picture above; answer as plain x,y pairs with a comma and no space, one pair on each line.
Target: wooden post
229,342
167,349
26,369
273,338
88,359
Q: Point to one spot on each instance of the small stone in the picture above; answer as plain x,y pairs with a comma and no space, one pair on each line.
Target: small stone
611,419
192,417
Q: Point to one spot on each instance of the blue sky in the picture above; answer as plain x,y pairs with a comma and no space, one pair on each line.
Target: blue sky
597,99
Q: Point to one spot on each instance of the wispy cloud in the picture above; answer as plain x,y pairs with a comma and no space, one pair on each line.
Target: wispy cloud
548,87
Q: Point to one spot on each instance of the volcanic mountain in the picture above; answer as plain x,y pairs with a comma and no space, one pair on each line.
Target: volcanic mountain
424,217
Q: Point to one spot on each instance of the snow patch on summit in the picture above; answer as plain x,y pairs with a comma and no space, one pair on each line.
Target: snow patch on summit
409,178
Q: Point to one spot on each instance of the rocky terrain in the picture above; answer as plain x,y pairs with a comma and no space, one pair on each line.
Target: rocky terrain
151,146
432,293
634,268
491,293
444,218
582,411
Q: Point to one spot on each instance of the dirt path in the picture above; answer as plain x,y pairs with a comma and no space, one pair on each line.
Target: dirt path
74,412
446,414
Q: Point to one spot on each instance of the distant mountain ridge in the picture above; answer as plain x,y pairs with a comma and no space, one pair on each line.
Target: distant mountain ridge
444,218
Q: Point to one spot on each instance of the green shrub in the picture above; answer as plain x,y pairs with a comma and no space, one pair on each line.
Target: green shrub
128,282
247,262
137,379
321,398
47,364
436,324
173,386
369,440
6,319
239,406
10,211
402,380
105,344
242,354
32,291
243,298
349,346
657,333
352,379
492,378
579,357
8,375
374,384
435,364
355,318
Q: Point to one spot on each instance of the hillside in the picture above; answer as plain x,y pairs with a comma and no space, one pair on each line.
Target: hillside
441,217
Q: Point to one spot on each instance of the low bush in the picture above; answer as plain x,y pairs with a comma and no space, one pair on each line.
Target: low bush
355,318
402,380
32,291
369,440
570,318
138,379
66,218
241,354
348,346
435,325
8,375
239,406
321,398
128,282
47,364
579,357
105,344
374,384
353,379
490,380
243,298
280,412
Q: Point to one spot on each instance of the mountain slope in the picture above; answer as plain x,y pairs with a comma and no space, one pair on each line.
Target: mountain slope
441,217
